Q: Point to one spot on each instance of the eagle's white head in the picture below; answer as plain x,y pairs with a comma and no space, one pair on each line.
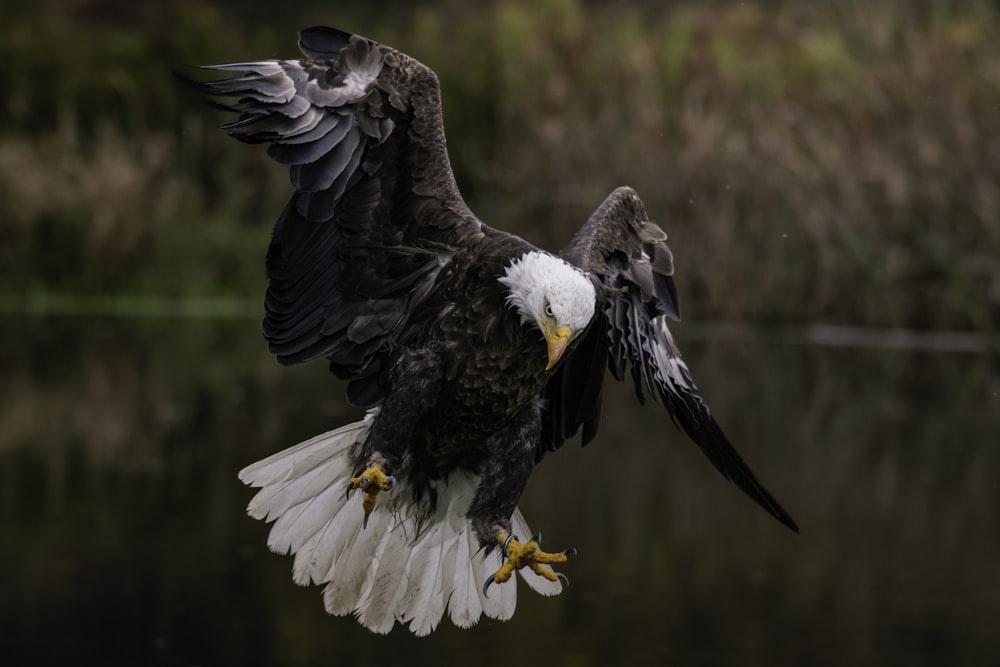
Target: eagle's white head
553,295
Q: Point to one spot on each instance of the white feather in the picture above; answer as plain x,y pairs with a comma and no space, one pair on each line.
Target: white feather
406,566
424,602
347,579
302,521
290,463
432,569
315,559
420,573
386,575
464,607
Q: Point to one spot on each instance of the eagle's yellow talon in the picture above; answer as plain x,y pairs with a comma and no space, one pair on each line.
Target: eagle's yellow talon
371,481
530,555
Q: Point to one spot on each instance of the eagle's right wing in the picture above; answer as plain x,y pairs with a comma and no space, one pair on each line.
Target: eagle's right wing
376,215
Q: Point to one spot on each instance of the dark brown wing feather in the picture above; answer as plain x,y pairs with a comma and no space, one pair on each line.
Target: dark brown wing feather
376,215
629,255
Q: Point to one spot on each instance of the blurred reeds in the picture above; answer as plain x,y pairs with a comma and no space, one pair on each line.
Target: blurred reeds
837,163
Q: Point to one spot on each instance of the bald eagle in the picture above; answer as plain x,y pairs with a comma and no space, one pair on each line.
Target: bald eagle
474,352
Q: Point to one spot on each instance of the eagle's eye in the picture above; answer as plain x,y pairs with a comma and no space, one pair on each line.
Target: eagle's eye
548,310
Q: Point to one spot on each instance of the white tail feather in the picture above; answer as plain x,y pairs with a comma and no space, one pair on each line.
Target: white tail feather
464,607
426,595
406,566
386,574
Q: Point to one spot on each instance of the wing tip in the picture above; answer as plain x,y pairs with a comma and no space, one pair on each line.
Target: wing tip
779,513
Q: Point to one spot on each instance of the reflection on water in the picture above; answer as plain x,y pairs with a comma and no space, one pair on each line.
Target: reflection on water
125,538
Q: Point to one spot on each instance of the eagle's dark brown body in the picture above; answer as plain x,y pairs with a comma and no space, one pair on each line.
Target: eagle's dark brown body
459,399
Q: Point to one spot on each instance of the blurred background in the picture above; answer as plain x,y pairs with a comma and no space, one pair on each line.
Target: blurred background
829,176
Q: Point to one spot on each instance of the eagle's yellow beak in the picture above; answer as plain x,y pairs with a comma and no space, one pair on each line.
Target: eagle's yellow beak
557,341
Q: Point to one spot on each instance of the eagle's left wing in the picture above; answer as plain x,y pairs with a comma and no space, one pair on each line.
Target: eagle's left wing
629,255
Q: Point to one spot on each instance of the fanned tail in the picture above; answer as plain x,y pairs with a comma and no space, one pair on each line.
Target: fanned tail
407,566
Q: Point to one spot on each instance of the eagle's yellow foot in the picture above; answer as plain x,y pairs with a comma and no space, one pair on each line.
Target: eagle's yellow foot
528,555
371,481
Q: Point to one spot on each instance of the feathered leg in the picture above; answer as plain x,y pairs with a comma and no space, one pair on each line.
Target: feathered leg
503,480
411,397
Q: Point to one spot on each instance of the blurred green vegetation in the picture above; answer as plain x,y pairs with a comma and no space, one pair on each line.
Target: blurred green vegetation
837,163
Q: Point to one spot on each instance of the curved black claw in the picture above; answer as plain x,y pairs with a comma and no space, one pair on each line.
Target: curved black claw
563,578
390,480
505,543
486,586
569,552
364,522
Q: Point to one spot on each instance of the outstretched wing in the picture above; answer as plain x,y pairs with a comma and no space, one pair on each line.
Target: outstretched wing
376,215
629,255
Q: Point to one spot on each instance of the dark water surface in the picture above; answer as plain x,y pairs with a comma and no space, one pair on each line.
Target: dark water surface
125,539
